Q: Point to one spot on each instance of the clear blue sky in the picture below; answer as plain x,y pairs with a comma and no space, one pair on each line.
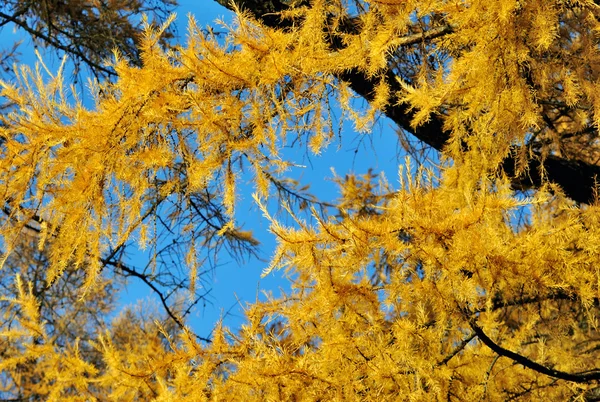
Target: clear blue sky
231,282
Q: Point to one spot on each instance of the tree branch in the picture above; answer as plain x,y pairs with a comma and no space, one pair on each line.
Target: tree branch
456,350
498,302
583,377
54,43
109,260
576,178
144,278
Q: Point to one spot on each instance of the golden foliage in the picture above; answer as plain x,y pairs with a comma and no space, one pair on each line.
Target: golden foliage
435,290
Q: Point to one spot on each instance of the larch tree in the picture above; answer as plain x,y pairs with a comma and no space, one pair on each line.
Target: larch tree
86,32
474,278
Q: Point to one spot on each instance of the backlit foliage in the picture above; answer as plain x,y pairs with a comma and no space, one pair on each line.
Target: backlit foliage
445,286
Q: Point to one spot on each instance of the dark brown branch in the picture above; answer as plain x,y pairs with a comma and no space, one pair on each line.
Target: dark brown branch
109,260
576,178
54,43
144,278
457,350
498,302
14,16
585,377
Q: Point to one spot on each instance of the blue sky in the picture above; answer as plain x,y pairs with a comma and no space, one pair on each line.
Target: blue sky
233,284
